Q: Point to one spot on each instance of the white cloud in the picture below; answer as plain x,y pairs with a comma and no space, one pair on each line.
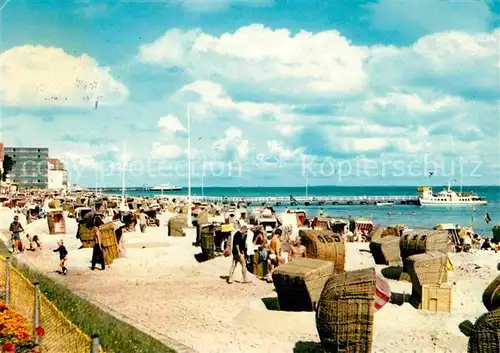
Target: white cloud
47,76
159,150
212,98
277,61
232,146
170,123
171,49
277,149
72,159
287,130
323,65
410,102
456,62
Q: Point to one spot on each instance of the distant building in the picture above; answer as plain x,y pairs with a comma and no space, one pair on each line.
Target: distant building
57,175
2,153
31,167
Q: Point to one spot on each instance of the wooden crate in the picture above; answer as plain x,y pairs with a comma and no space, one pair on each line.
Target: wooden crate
436,298
299,283
429,268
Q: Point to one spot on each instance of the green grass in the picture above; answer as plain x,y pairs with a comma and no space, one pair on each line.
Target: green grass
115,336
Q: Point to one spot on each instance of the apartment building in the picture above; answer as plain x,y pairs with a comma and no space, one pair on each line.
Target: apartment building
31,166
57,175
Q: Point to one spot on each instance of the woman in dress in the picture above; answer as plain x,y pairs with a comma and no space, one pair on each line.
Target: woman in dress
97,254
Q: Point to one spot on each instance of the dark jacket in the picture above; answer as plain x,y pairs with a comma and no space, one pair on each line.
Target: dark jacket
16,227
62,252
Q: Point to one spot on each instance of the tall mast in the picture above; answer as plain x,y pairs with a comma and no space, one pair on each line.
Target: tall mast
461,178
189,221
123,173
307,183
202,177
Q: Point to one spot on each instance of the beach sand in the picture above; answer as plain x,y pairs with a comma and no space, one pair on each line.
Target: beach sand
162,289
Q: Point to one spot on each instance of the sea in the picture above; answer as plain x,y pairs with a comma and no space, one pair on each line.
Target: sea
411,215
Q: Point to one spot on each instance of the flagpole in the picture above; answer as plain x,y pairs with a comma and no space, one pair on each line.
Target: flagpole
189,215
461,179
307,183
202,177
123,174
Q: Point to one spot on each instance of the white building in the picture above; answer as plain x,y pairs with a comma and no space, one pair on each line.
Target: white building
57,176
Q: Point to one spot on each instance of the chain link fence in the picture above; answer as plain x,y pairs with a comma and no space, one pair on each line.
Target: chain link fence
59,334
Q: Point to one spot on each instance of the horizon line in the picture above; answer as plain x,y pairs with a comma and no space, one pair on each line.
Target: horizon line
291,186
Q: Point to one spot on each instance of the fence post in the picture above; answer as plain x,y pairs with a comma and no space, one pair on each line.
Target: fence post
7,280
36,312
94,345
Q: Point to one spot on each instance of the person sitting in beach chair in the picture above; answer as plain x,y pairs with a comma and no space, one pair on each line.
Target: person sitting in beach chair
467,242
297,250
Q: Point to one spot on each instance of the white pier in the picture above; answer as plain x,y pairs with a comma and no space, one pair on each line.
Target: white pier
301,200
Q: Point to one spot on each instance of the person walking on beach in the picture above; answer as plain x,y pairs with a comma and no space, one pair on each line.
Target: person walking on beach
97,253
15,230
143,221
239,253
63,256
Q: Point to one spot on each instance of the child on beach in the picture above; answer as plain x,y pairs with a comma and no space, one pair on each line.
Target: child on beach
32,240
63,256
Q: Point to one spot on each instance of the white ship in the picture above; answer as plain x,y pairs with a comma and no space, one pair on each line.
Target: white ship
166,187
448,197
382,203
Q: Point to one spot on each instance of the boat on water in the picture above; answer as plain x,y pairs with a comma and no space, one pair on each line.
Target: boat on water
166,187
382,203
448,197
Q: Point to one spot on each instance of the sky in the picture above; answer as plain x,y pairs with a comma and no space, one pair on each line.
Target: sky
277,93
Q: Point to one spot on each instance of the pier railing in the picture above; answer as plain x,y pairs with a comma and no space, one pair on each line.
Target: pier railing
299,199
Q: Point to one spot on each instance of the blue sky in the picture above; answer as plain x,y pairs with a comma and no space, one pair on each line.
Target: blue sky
347,92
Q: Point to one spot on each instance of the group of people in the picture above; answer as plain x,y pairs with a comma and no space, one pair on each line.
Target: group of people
16,244
245,244
475,241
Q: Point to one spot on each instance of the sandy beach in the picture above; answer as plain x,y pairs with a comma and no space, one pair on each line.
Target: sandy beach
162,288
